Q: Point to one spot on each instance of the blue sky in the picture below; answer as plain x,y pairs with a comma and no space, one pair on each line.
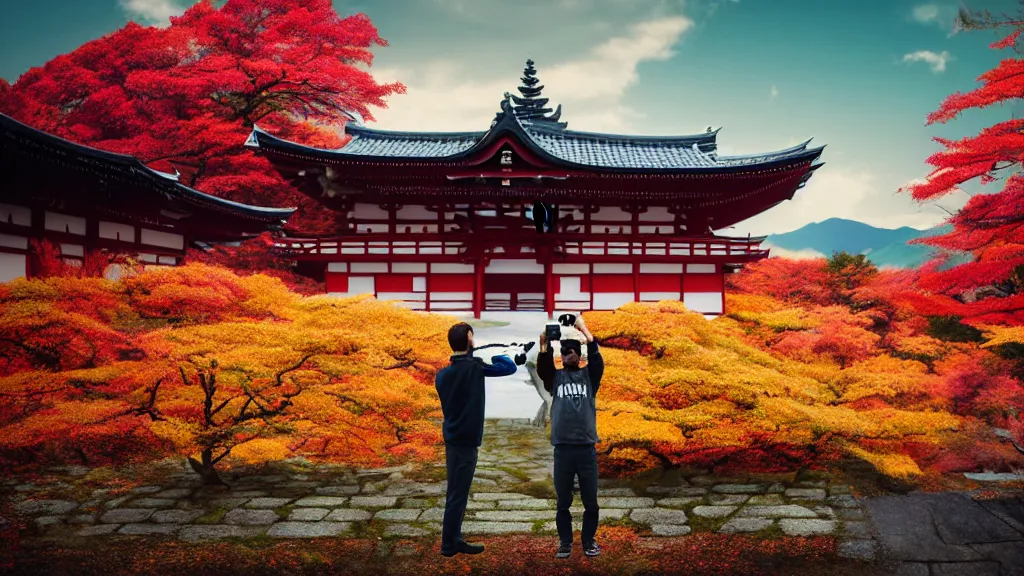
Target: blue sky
858,76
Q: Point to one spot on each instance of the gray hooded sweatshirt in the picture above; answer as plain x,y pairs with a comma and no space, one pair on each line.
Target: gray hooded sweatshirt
573,391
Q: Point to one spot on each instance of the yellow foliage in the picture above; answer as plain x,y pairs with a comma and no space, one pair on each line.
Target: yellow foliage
678,373
999,335
895,465
630,427
261,450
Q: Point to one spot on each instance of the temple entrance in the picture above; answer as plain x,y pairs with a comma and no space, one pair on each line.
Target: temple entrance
514,292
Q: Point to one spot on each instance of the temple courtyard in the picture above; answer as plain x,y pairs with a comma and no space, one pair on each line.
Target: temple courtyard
396,513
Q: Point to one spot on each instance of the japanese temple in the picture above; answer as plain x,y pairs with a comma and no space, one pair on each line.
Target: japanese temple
84,199
529,215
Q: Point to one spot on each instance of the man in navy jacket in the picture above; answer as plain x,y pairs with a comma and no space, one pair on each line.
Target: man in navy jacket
460,386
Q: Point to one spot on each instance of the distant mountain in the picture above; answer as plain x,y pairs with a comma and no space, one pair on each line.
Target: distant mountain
883,246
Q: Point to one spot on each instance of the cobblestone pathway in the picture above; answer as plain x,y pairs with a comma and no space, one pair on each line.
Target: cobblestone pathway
512,493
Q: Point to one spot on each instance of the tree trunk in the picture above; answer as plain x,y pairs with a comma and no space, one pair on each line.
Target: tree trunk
205,469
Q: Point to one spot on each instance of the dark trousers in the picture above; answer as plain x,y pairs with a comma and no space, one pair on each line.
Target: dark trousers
461,462
572,461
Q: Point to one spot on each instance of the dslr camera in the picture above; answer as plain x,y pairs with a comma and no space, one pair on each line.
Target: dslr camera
553,330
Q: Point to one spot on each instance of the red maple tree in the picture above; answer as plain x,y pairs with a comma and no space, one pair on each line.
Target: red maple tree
185,97
990,288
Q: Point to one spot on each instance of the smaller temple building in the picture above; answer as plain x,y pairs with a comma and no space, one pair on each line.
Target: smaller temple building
529,215
84,199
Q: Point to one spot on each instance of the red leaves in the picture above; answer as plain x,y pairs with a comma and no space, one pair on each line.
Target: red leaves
785,279
990,227
1002,83
188,95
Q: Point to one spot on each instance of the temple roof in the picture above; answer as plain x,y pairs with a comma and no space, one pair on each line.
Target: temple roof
527,118
567,147
20,139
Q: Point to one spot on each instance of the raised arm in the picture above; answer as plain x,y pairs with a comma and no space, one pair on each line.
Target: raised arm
595,363
500,366
546,364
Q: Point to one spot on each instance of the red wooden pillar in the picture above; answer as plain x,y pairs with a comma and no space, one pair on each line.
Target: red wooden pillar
590,286
549,286
636,282
478,292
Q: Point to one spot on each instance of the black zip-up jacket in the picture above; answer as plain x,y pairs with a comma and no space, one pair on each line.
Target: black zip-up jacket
573,396
460,386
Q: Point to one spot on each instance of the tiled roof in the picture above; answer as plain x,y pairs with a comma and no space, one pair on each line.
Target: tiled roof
367,142
623,152
586,149
27,140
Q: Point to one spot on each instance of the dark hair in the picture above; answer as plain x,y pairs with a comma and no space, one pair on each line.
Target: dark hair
458,336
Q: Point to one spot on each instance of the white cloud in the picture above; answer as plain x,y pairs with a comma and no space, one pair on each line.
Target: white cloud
774,92
448,95
153,11
936,60
926,13
805,254
842,193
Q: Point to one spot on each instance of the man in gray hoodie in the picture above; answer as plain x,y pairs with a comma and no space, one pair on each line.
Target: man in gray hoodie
574,432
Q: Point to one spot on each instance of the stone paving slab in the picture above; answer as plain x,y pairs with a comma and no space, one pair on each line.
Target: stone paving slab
739,525
334,501
401,514
786,511
250,517
806,527
267,502
714,511
670,530
175,516
216,531
308,514
949,532
98,530
404,530
349,515
370,502
307,529
394,503
123,515
624,502
658,516
678,502
478,527
149,529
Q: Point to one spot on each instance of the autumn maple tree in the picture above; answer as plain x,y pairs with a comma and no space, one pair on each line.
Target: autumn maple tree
201,363
186,97
990,288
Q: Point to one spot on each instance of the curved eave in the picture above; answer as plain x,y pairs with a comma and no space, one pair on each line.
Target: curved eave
257,211
166,183
686,139
396,134
261,140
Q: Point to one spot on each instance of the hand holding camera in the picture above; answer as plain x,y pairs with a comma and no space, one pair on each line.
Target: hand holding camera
553,331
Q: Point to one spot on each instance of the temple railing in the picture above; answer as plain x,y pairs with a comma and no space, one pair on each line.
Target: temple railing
565,247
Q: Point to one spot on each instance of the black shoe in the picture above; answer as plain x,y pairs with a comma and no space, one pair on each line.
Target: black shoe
463,548
564,551
591,549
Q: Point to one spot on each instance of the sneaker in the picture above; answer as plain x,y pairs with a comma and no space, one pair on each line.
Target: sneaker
564,551
591,549
463,548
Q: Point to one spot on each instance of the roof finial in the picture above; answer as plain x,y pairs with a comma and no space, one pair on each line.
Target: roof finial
530,107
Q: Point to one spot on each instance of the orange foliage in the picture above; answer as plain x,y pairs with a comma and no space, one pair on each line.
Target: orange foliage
200,362
777,386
